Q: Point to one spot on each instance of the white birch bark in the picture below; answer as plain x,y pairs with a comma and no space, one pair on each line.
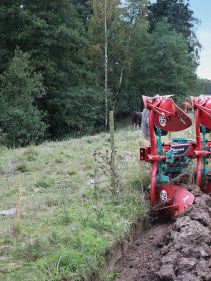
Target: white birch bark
106,62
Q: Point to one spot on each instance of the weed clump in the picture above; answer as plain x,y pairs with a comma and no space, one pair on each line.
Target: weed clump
30,154
33,249
22,167
111,164
44,182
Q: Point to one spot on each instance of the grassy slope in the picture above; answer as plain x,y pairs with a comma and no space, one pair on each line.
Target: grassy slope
65,227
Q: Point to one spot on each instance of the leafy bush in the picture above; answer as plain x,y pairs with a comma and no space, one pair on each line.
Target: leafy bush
82,112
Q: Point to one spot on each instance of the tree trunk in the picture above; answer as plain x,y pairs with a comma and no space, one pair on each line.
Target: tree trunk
106,64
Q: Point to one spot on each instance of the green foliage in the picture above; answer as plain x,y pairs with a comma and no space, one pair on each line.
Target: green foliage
118,41
203,87
180,17
64,262
66,43
84,9
54,35
163,64
137,26
20,120
81,111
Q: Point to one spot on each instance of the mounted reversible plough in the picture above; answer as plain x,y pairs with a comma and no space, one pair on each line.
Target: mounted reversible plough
160,116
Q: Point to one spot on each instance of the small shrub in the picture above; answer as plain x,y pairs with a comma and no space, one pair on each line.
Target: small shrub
112,275
53,238
44,182
71,173
90,141
30,154
16,229
33,249
51,202
22,167
66,218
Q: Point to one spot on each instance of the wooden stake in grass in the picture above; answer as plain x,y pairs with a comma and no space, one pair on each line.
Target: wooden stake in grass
113,174
111,125
18,210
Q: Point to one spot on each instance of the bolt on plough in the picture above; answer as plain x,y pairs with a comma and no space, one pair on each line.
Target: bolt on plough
160,116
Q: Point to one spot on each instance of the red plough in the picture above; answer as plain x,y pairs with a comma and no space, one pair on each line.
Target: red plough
162,115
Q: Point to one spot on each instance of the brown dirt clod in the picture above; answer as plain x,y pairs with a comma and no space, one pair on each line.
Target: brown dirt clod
172,251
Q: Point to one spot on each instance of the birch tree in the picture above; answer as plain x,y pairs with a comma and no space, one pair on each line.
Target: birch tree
114,33
108,40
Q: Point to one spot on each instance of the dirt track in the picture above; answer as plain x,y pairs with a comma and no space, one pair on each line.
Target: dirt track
176,251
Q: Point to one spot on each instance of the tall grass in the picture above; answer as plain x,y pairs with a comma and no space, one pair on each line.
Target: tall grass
65,222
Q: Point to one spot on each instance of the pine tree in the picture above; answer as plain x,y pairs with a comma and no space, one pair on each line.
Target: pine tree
20,120
53,33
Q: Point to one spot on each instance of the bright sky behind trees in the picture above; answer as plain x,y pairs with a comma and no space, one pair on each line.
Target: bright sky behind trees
202,9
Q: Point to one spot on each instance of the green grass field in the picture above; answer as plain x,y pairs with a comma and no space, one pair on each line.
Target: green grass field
69,218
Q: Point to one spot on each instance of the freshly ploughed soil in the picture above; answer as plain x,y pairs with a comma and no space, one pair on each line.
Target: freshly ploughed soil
179,250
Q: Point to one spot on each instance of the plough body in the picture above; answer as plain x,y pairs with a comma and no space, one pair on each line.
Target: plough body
169,160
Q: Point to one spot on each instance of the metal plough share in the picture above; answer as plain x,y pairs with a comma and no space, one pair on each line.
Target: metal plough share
161,115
